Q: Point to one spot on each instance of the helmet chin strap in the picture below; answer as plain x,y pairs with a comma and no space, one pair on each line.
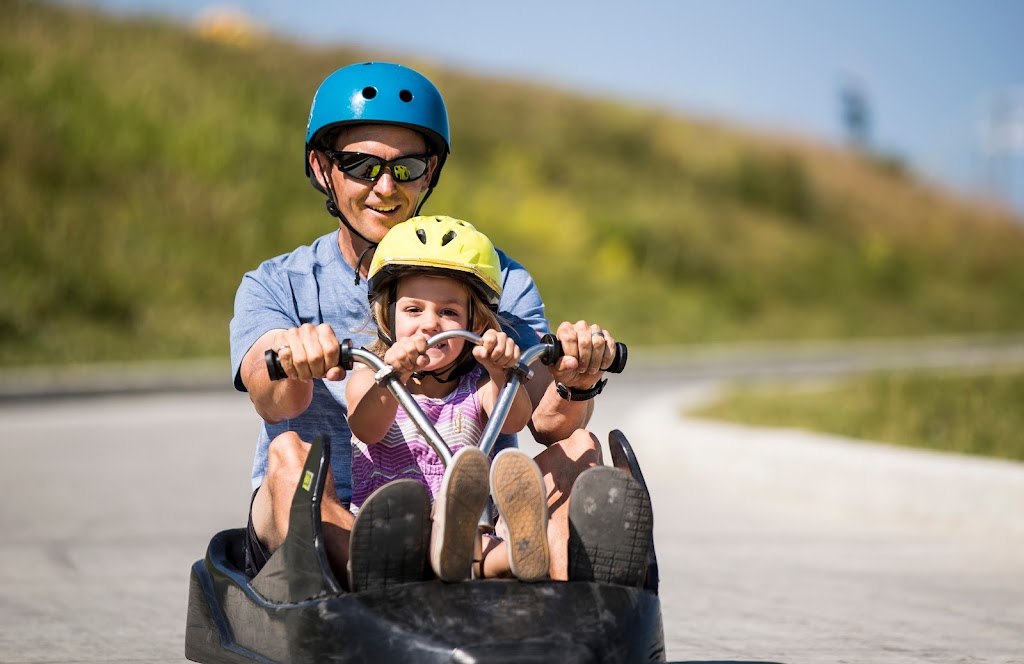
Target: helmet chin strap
370,245
332,209
422,201
359,262
458,368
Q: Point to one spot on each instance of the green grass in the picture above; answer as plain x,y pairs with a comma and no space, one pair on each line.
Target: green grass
145,168
977,414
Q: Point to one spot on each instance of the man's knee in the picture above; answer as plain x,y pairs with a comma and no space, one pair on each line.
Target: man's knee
567,458
583,447
286,457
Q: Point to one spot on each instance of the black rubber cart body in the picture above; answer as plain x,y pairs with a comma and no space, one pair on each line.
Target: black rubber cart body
295,610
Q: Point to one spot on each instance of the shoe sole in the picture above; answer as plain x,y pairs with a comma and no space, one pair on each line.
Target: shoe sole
457,510
518,490
610,526
390,537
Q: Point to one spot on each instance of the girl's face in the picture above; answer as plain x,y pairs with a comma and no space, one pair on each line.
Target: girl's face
432,305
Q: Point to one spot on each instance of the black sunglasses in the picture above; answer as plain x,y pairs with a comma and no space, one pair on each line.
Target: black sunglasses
369,168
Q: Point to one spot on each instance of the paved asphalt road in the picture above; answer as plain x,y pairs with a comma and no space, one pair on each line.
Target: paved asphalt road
775,546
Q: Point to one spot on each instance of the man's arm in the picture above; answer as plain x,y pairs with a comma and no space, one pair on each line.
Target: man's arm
588,351
274,401
306,353
554,418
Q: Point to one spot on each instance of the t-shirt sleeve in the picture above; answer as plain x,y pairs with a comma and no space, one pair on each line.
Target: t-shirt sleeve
263,302
521,308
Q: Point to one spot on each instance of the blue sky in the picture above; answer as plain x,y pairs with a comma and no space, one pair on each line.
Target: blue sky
932,71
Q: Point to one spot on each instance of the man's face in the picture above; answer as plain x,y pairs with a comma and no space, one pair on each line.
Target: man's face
374,207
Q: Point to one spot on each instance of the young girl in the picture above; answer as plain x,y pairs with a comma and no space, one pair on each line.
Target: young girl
430,275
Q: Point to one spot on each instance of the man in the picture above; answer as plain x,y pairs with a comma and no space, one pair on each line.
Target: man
376,142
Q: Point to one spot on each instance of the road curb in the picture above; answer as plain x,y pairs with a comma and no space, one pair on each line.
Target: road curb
113,379
929,489
907,487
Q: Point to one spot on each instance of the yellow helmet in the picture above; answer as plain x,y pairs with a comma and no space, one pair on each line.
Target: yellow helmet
440,243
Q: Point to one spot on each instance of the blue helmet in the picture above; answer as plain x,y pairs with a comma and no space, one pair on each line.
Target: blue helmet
381,92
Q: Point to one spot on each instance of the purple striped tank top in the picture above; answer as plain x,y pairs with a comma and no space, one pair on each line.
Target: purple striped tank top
403,453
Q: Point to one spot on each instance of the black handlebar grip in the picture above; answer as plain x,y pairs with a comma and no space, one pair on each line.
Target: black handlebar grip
345,359
276,371
621,355
556,352
552,354
274,368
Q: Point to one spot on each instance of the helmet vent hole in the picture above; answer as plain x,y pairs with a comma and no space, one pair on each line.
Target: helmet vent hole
422,235
448,237
369,92
405,96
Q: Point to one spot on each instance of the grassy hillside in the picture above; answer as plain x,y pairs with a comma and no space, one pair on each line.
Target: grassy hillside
145,168
969,413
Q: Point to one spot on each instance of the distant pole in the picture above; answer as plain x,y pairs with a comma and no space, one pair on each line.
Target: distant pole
855,112
1003,141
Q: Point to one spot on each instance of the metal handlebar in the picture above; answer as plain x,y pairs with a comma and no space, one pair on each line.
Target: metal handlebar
548,351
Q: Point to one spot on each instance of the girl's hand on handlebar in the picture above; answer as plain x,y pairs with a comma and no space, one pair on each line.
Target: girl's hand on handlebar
309,351
588,350
496,352
408,354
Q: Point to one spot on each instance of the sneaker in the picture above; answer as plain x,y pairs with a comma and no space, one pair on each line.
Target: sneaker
457,510
390,537
519,494
610,526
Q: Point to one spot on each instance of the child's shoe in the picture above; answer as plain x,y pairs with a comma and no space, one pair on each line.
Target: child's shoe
457,510
518,490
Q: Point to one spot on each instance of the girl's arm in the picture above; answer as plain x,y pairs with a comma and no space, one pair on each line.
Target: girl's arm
520,412
371,409
496,354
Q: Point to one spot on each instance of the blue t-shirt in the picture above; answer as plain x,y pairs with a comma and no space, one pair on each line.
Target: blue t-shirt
314,284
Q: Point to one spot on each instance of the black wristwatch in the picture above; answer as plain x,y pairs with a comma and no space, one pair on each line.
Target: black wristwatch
574,394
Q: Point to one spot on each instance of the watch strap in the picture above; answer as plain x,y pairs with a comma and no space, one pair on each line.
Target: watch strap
576,394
